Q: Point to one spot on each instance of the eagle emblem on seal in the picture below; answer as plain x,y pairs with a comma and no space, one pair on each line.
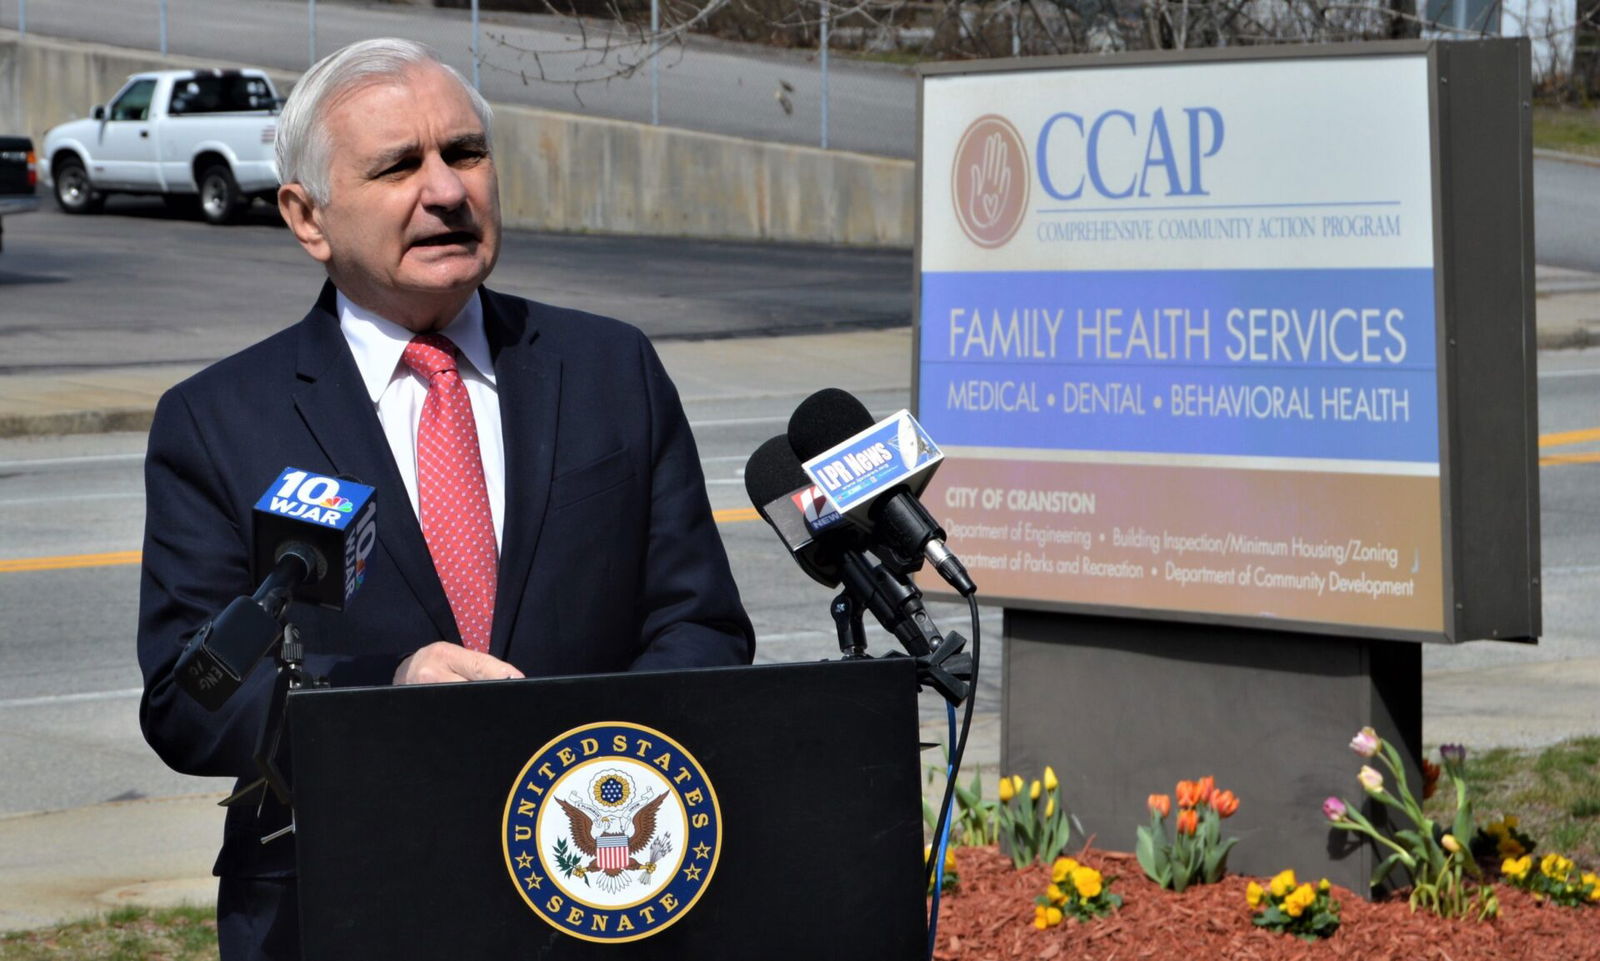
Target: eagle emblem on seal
613,827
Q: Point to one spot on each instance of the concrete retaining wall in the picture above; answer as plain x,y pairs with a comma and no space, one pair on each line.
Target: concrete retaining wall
562,171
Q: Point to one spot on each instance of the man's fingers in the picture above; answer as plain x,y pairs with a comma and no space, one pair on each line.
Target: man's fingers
441,662
478,666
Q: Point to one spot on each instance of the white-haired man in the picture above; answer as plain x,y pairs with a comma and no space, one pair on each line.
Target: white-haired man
543,510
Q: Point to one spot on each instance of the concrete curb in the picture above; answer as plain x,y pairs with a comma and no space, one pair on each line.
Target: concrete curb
77,422
1564,157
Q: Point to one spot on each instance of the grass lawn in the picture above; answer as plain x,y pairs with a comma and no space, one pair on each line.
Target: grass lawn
126,934
1554,793
1567,129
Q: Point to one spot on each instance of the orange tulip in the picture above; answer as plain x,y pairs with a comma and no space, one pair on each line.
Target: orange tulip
1160,804
1187,792
1225,802
1204,789
1188,821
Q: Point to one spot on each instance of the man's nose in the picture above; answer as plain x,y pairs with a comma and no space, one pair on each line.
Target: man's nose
441,184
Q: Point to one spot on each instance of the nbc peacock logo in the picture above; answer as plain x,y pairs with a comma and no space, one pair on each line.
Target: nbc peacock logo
989,181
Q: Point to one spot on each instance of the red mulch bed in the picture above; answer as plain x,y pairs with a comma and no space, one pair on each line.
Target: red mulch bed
989,917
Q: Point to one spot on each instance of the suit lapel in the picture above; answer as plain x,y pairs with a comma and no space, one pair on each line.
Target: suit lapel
529,385
337,410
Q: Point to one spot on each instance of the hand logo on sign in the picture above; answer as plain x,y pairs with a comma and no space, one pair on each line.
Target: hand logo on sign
991,183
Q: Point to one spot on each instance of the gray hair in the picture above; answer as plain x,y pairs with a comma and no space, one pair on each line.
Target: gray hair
304,144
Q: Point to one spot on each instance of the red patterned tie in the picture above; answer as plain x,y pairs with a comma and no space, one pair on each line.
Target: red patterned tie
455,503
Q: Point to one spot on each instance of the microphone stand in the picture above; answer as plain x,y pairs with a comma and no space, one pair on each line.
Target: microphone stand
273,598
898,606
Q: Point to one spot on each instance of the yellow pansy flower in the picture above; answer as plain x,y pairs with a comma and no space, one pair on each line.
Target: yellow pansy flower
1052,916
1510,847
1252,894
1517,868
1303,897
1061,869
1088,882
1282,884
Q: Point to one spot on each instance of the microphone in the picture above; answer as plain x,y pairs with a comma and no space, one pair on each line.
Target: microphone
793,507
830,551
872,473
306,527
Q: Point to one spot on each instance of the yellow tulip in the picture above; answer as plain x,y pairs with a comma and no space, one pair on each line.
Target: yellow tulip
1034,789
1449,843
1050,807
1007,792
1050,782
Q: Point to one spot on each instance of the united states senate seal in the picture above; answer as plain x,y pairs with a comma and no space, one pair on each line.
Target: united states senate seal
611,832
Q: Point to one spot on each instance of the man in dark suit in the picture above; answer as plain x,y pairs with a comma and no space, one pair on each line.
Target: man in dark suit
542,508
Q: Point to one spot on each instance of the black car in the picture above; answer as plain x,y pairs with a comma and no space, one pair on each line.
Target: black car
19,178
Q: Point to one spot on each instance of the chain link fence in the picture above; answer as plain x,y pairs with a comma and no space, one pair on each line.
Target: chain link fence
827,73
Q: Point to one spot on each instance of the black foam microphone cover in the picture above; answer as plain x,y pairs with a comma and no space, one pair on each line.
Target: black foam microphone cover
824,419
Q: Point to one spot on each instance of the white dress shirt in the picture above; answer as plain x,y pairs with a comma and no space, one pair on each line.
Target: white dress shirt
398,392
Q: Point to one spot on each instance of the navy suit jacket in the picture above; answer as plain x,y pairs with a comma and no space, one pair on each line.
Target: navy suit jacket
609,559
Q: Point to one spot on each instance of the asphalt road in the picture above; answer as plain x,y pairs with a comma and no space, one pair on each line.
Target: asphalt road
535,60
68,729
205,292
68,678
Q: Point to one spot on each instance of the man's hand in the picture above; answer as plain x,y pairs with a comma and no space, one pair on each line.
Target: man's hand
443,661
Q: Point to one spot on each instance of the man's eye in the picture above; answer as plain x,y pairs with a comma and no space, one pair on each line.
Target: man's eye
465,156
399,167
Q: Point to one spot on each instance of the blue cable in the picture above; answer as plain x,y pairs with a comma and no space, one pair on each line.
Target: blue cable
944,842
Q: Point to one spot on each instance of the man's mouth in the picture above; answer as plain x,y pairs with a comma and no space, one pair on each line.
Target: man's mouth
451,238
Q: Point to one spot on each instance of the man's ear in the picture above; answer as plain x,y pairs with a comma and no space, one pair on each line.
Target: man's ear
302,215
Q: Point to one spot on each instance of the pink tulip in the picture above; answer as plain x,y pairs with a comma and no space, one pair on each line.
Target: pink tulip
1333,809
1366,742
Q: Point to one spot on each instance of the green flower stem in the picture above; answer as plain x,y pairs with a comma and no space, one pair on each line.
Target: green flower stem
1391,760
1365,827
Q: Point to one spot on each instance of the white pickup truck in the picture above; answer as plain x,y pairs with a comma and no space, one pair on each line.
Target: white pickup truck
177,133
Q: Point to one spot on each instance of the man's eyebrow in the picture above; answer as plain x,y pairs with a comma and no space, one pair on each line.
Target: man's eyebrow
469,141
390,157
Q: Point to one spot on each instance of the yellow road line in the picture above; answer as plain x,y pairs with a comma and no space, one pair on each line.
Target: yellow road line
1569,437
1590,458
68,561
65,562
730,515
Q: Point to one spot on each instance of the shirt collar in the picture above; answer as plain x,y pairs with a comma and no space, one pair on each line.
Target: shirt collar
377,342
